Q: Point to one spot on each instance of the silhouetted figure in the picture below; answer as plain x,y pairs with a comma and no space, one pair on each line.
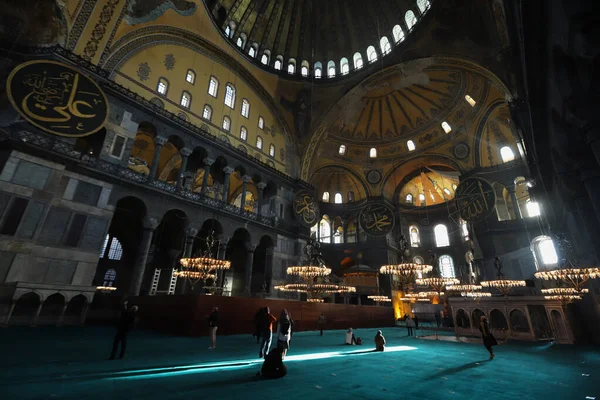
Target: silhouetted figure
213,325
266,332
321,322
379,342
273,366
410,324
284,332
488,339
438,319
350,339
258,317
416,319
126,322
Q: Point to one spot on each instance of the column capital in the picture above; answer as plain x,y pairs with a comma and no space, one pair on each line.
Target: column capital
185,152
208,161
149,223
191,232
228,170
160,140
261,185
246,178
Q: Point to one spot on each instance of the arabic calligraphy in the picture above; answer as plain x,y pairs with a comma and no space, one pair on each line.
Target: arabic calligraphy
377,219
57,98
306,209
475,199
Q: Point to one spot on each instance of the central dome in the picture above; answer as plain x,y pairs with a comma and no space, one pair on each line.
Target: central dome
313,38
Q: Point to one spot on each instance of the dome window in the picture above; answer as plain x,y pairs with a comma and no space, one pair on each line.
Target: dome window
411,145
398,34
358,61
446,127
331,69
373,152
385,45
507,154
470,100
344,66
318,70
342,150
371,54
411,19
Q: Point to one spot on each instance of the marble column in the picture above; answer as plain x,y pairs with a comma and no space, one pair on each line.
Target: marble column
185,153
513,197
261,188
248,269
245,180
225,195
159,142
149,224
208,162
10,311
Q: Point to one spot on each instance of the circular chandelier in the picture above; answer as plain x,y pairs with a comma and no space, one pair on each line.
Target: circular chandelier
463,288
308,271
380,298
575,278
202,267
564,295
405,269
315,300
476,295
502,284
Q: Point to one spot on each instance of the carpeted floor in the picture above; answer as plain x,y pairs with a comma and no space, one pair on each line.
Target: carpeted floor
70,363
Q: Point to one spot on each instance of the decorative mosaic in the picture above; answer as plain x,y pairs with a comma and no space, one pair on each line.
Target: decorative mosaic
142,11
169,61
461,151
144,71
374,177
183,116
99,30
158,102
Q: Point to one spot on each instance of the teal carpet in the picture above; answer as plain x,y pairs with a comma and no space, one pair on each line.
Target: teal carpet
70,363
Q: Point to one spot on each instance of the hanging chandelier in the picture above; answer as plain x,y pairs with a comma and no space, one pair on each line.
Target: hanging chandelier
380,298
503,285
202,267
436,281
315,300
564,295
463,288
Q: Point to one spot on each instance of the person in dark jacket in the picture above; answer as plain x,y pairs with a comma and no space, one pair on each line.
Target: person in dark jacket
267,332
488,339
213,325
258,318
416,320
379,342
273,366
125,324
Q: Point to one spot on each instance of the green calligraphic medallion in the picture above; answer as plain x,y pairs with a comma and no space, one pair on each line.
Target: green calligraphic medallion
57,98
475,199
377,219
306,208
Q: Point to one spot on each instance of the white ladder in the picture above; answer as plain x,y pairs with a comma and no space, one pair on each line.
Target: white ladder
173,283
155,281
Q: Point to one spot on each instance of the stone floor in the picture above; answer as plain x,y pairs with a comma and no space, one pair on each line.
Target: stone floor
70,363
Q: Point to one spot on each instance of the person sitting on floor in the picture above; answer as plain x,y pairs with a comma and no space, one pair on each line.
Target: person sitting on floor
350,339
379,342
273,366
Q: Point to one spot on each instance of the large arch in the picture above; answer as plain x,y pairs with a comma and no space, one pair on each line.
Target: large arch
239,252
262,266
337,178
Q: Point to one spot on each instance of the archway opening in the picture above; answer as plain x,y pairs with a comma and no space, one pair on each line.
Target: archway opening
262,266
238,249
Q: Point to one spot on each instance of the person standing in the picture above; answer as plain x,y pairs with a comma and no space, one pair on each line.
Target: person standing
284,332
213,325
125,324
266,332
438,318
379,342
410,324
416,320
258,317
488,339
321,322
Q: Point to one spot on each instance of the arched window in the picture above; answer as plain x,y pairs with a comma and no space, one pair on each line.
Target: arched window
226,123
241,42
415,238
373,152
422,199
213,86
342,150
446,127
190,77
385,45
411,145
358,61
230,96
163,86
507,154
344,66
245,108
244,133
207,112
278,63
446,266
447,191
227,31
318,70
350,196
409,199
272,150
410,18
324,231
259,143
109,278
252,50
230,29
470,100
398,34
423,5
544,252
325,197
371,54
186,100
304,68
441,236
291,66
338,235
261,122
338,198
265,58
111,249
330,69
533,208
464,229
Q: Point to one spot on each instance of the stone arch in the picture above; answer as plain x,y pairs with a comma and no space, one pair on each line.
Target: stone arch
91,145
25,309
337,178
195,167
52,309
476,315
142,151
76,309
519,321
462,319
262,266
169,160
503,202
239,252
559,326
498,320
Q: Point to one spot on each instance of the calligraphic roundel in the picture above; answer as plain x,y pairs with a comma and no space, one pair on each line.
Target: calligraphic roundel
306,209
377,219
475,199
57,98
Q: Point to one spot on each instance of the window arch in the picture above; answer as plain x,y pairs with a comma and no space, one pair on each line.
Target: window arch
265,57
373,152
398,34
337,198
226,123
213,86
507,154
304,68
421,199
344,66
324,230
253,50
207,112
109,277
410,18
330,69
446,127
111,249
441,235
409,199
338,235
446,191
371,54
464,229
230,29
278,63
243,133
186,100
190,76
470,100
533,208
358,61
259,143
163,86
318,70
350,196
241,42
415,238
411,145
272,150
385,45
245,108
423,5
447,266
544,252
261,122
325,197
291,66
230,95
342,150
